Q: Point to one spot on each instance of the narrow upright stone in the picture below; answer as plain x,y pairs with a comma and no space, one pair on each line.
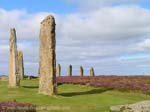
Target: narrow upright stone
47,63
92,73
70,70
81,71
14,79
20,64
59,70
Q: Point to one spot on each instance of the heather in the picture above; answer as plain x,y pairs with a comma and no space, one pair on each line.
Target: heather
14,106
136,83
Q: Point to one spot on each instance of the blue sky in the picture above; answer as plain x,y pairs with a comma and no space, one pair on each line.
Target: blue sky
56,6
145,3
110,35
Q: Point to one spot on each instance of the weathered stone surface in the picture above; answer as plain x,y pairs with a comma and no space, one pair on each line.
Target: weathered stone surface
20,64
92,73
81,71
143,106
47,64
70,70
14,79
58,70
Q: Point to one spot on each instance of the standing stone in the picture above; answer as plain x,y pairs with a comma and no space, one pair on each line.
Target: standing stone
92,73
70,70
81,71
20,64
47,64
59,70
14,79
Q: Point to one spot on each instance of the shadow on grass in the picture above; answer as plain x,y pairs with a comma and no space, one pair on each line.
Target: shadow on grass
30,87
94,91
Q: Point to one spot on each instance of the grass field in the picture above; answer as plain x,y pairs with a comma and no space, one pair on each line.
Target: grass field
71,98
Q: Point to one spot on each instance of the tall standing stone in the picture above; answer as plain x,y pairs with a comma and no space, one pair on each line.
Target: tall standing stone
59,70
81,71
92,73
20,64
47,64
70,70
14,79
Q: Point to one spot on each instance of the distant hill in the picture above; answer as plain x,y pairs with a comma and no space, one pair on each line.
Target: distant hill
3,77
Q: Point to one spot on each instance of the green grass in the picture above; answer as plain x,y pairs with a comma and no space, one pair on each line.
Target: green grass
71,98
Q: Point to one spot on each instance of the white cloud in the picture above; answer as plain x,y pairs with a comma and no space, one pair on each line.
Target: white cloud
143,46
97,38
111,23
90,5
27,25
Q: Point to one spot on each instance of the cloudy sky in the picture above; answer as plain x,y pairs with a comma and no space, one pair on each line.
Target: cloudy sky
113,36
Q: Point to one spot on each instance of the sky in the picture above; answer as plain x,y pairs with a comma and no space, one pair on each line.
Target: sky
110,35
